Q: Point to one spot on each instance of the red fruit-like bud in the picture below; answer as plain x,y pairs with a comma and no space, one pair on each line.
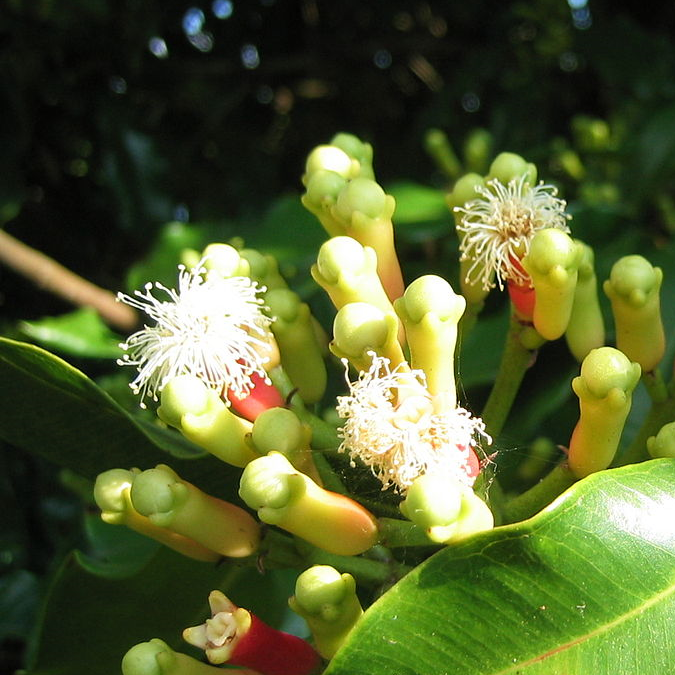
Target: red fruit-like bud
263,396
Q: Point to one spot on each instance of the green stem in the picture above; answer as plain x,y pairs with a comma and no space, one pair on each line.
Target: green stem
279,550
655,386
540,495
516,359
365,570
661,413
396,533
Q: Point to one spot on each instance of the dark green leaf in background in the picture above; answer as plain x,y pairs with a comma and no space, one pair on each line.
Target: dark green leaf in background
81,333
52,409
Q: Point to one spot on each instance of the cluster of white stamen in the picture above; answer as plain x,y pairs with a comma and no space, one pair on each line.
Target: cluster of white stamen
397,429
498,225
211,327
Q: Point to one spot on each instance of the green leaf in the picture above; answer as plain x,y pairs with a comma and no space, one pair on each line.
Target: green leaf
587,586
98,607
89,622
80,333
417,203
49,408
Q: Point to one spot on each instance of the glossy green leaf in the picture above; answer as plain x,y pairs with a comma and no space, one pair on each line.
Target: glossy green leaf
587,586
80,333
417,203
50,408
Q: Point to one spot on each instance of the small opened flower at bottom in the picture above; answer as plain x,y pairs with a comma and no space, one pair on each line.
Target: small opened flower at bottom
395,427
235,636
211,327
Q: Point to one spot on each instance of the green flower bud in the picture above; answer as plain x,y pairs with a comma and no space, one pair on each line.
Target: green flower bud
365,212
430,311
301,352
477,149
464,191
284,497
633,288
111,494
281,430
167,501
552,263
365,196
446,509
358,150
591,134
439,149
507,166
202,417
330,158
157,658
264,269
605,389
663,444
360,328
586,328
322,190
347,271
225,260
327,600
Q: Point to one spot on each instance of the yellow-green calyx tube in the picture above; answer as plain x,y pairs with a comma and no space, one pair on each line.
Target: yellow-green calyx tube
365,212
359,329
445,509
280,430
605,389
301,353
225,260
633,288
347,271
327,600
292,501
170,502
430,311
202,417
663,444
111,494
553,264
157,658
586,328
478,149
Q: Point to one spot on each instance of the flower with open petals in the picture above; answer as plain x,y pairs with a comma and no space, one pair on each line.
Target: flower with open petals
395,427
211,327
497,226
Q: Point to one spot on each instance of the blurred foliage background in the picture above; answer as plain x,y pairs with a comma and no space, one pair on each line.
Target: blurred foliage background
120,116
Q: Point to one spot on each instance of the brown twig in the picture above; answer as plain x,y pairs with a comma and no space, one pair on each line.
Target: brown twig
51,276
